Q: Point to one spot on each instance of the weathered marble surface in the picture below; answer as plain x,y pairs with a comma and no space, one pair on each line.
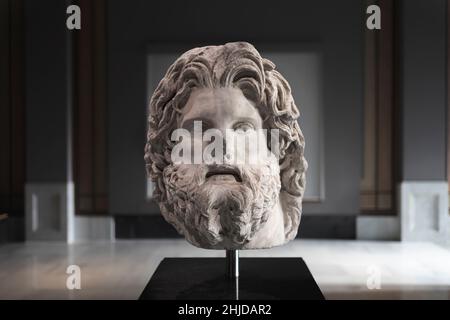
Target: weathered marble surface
235,205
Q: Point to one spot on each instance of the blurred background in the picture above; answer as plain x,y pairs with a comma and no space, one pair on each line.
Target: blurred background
374,111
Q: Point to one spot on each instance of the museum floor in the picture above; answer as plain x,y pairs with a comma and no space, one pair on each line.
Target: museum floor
120,270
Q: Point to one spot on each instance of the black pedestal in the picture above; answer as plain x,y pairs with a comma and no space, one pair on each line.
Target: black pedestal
205,279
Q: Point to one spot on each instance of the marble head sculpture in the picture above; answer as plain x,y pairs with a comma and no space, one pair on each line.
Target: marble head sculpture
227,205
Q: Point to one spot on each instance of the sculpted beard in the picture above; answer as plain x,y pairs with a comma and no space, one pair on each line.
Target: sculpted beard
215,212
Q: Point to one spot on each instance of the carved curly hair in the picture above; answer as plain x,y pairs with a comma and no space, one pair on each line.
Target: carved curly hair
236,65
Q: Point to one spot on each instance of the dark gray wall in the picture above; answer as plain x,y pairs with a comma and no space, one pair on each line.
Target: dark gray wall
423,68
46,63
336,25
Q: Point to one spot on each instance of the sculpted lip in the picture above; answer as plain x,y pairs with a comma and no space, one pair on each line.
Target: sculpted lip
223,172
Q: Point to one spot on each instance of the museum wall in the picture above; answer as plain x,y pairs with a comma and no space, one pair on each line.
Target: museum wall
12,121
423,90
334,27
47,93
43,153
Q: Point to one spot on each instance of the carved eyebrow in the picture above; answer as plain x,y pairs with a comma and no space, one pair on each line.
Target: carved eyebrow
189,123
252,121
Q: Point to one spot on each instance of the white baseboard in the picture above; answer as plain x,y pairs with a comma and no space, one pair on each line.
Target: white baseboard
424,211
96,228
50,216
378,228
49,211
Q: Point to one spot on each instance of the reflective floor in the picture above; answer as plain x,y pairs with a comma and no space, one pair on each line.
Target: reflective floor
120,270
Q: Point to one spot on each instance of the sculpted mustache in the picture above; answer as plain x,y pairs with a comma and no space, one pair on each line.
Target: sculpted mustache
243,174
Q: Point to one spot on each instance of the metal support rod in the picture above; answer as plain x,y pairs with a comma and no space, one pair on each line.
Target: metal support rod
233,264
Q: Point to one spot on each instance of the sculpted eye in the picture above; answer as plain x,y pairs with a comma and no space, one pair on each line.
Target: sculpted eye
243,126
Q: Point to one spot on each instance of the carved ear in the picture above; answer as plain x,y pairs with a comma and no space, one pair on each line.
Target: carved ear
293,166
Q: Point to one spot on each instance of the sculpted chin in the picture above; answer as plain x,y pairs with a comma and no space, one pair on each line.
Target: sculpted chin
232,204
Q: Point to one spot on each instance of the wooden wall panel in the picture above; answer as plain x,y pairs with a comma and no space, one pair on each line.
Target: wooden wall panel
18,155
385,108
378,181
5,106
12,112
90,161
